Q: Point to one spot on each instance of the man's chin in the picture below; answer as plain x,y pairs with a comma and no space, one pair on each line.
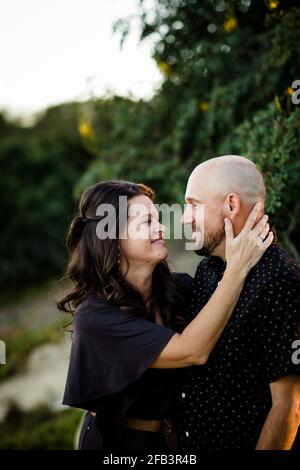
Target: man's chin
210,248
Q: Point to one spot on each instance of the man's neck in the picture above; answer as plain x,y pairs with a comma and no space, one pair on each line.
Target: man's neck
219,251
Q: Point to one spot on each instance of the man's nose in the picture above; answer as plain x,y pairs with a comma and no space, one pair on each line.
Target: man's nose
187,217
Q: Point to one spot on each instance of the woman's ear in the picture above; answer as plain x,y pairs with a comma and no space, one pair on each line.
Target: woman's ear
232,205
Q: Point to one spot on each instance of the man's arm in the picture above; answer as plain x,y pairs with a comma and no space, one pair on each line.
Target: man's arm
283,420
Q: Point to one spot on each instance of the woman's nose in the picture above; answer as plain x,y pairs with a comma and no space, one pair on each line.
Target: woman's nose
159,228
162,228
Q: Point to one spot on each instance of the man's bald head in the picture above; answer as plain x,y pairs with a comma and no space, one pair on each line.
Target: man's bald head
231,174
226,186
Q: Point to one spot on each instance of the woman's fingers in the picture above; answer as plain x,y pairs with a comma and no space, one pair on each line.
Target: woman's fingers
265,232
228,230
252,217
268,241
260,226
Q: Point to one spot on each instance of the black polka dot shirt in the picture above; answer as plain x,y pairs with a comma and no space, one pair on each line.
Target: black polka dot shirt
224,403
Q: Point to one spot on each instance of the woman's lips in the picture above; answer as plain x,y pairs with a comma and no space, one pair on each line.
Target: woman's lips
159,240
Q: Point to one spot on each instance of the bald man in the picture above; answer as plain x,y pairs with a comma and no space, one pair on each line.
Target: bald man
247,396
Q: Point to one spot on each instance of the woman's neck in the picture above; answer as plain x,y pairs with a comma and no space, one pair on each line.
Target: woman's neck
141,277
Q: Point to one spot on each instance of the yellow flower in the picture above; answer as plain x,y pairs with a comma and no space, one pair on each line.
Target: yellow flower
165,68
203,105
289,91
230,24
272,4
86,131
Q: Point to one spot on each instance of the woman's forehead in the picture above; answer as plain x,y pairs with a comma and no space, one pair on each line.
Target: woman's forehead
141,205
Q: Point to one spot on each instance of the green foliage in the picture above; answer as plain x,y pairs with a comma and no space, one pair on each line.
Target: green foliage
272,140
276,153
39,168
39,429
127,146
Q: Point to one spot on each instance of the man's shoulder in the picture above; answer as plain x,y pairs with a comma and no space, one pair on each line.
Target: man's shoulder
207,263
277,265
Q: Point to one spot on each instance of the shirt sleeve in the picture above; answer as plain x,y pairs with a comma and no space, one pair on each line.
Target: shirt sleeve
110,351
281,329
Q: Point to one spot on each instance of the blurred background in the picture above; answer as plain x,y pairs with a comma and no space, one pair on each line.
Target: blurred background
123,89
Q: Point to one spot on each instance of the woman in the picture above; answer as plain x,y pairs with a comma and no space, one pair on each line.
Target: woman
130,341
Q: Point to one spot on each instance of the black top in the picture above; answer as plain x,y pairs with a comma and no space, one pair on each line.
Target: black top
226,401
109,365
158,395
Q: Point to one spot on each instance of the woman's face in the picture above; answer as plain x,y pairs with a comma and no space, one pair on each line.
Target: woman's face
143,237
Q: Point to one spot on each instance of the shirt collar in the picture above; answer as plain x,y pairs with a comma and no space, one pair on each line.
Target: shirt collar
216,262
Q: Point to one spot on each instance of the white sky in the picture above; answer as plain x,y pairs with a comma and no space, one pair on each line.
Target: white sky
52,51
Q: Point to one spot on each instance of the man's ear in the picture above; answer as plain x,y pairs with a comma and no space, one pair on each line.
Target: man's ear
232,205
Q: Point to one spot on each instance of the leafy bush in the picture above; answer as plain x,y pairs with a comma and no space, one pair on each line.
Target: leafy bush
272,141
38,171
39,429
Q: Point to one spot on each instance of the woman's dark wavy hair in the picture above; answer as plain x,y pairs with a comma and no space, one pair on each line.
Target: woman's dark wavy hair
93,267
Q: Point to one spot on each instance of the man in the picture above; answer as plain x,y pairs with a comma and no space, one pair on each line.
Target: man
247,396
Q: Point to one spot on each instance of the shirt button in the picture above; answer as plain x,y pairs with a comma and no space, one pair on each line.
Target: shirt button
187,433
183,395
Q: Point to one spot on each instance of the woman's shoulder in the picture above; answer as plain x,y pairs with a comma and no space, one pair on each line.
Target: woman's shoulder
93,303
94,311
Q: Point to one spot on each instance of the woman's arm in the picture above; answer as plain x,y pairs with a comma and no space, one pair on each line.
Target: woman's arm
194,345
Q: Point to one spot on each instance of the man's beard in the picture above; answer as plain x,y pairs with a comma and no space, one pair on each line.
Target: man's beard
211,243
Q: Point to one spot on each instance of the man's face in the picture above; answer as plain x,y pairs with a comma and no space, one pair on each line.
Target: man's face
204,212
